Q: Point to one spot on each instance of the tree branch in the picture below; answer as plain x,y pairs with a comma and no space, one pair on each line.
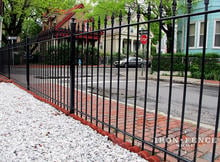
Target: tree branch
164,29
22,16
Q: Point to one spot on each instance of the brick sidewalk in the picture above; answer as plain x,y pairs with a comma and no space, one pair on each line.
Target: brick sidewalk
204,148
215,82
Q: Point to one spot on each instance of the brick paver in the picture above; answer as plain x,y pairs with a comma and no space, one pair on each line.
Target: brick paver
3,78
212,81
189,132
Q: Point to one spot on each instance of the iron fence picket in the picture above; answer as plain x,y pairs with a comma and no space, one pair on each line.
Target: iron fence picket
118,79
136,76
92,73
146,77
97,85
77,73
189,6
110,87
104,71
72,67
174,5
87,62
81,75
201,80
126,86
158,77
216,126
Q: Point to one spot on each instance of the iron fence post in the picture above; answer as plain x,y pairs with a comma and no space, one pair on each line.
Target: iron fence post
27,63
9,57
72,67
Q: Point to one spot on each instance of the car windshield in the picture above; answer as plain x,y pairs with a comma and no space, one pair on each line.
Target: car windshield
131,59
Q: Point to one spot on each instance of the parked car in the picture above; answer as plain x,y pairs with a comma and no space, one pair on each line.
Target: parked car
132,62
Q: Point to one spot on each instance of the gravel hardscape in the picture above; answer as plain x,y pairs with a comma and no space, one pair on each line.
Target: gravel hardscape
31,130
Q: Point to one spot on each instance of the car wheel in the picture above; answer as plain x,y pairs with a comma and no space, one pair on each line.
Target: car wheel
141,65
125,65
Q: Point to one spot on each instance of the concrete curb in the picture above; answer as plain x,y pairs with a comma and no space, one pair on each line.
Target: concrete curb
181,80
192,81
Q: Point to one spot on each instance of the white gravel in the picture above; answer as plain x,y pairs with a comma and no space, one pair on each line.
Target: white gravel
31,130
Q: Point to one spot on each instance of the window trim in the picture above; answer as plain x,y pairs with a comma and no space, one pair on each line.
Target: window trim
213,45
207,37
193,47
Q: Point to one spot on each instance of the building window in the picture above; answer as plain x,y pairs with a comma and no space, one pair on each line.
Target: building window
125,45
201,34
192,35
217,34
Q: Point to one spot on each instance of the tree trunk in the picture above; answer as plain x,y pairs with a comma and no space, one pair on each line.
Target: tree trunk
4,39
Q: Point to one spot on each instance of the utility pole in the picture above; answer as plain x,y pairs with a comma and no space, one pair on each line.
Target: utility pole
1,20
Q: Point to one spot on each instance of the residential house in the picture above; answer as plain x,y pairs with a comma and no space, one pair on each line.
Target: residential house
60,21
59,18
196,34
124,36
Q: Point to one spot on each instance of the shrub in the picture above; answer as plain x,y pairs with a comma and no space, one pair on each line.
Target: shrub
178,63
212,67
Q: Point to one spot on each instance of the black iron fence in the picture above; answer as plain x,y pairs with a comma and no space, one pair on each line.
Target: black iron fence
69,68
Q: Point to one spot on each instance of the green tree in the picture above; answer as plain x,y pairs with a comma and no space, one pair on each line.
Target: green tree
102,8
30,28
22,16
107,7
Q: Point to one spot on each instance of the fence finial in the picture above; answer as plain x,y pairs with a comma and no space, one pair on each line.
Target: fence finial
138,12
189,5
206,5
78,27
99,22
120,16
73,20
93,24
174,4
105,20
206,2
161,9
129,14
112,18
87,26
149,11
83,26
